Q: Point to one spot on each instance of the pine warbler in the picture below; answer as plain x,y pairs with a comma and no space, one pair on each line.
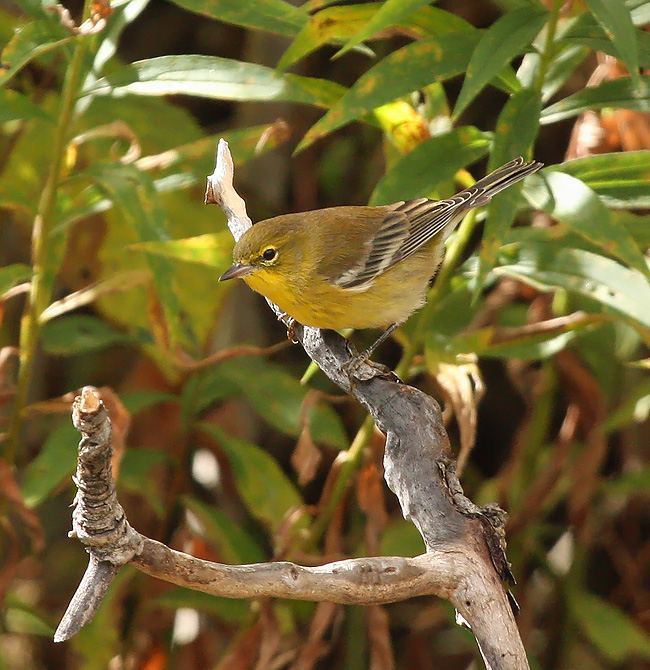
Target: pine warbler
358,267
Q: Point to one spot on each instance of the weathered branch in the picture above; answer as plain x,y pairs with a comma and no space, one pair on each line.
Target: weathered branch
465,559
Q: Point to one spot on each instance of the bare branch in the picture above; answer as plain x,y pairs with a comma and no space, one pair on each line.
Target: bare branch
465,561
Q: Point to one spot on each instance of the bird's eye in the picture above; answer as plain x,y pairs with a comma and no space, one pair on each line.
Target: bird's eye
269,254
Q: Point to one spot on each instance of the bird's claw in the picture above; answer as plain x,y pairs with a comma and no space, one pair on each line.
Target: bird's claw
361,368
290,324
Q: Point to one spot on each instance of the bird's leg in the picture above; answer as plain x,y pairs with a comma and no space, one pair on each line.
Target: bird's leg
353,366
290,324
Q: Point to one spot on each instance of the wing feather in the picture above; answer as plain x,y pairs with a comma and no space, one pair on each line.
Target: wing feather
409,225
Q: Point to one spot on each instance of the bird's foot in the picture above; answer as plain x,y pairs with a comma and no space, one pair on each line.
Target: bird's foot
361,368
290,324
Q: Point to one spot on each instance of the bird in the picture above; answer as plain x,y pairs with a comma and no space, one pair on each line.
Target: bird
359,266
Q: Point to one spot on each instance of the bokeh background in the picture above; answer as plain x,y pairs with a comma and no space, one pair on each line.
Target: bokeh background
229,445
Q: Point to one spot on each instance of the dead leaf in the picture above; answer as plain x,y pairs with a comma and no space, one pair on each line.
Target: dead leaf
306,456
463,387
120,423
10,556
608,130
10,491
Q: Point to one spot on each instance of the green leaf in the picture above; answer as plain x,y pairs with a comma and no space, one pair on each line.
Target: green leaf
139,401
516,128
55,463
274,16
79,334
24,620
233,544
230,610
15,106
263,486
331,25
619,290
621,92
12,275
215,78
134,192
514,136
565,63
120,18
637,226
336,25
621,179
390,13
617,636
501,42
587,31
640,11
569,200
211,249
431,163
276,395
403,71
616,21
29,42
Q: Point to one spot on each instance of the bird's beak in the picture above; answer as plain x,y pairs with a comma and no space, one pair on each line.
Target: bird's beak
236,271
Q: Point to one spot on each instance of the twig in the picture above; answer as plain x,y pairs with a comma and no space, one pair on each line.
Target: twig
465,559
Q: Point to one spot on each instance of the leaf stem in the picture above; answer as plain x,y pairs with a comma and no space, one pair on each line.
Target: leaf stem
549,44
352,458
41,286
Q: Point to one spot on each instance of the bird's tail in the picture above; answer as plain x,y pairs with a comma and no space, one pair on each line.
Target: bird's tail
507,175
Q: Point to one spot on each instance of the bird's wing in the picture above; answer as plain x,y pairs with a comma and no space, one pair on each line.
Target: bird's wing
378,251
405,228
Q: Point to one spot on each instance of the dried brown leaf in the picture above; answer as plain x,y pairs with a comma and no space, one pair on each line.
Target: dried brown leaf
120,423
306,457
463,387
10,555
10,492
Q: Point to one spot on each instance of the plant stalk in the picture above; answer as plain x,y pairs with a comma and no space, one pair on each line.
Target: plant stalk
41,290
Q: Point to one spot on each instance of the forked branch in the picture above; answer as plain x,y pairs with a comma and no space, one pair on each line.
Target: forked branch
465,550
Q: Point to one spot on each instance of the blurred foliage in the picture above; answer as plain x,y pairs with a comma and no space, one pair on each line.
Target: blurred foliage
535,337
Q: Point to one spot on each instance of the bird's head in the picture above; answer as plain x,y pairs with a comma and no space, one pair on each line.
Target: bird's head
267,251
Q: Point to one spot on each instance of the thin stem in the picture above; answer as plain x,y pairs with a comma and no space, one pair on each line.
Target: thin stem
549,44
348,467
41,289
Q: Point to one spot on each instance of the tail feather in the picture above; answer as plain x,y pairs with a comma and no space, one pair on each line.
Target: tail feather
500,179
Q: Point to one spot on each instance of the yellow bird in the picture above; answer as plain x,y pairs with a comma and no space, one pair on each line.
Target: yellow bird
358,267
